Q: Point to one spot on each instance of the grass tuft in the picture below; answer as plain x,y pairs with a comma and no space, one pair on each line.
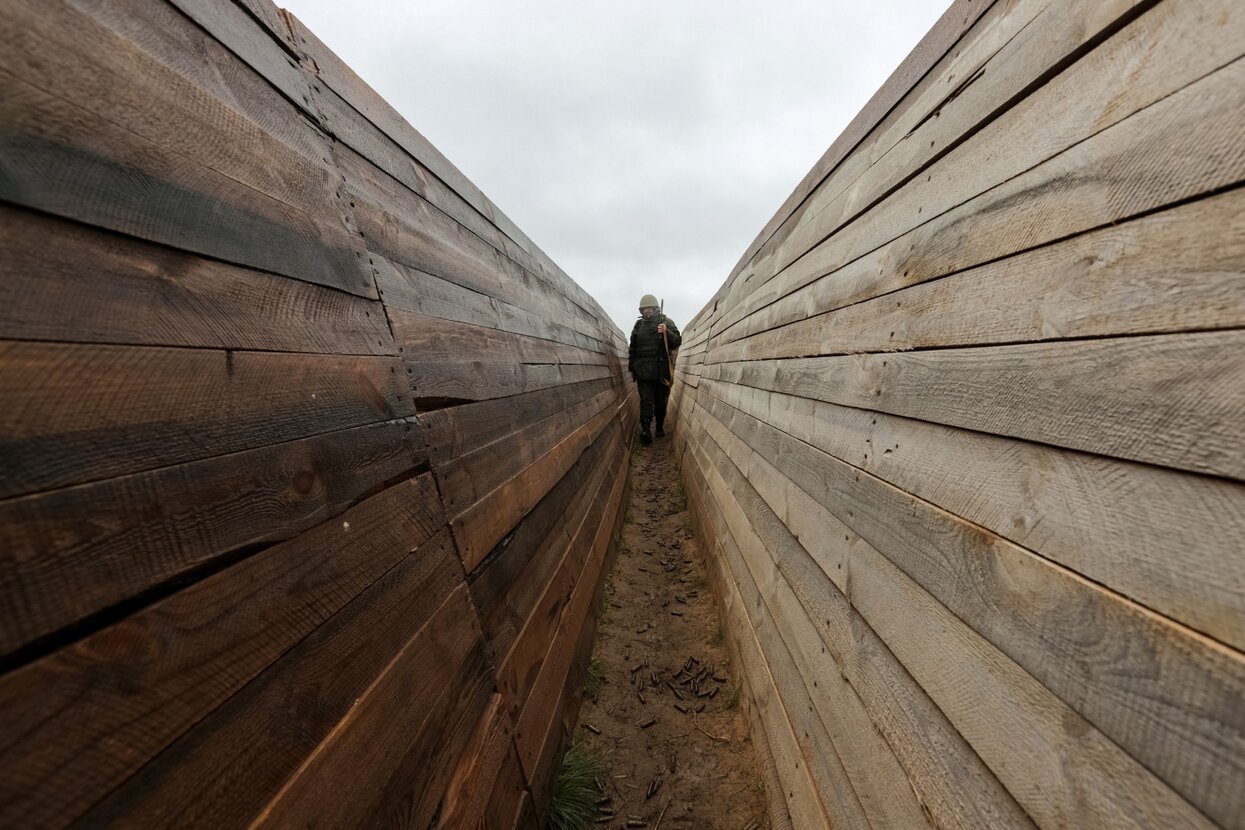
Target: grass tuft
595,679
574,790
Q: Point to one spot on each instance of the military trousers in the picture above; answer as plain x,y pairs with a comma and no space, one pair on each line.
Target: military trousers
653,397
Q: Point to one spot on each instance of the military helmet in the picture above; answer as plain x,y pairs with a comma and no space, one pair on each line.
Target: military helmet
649,301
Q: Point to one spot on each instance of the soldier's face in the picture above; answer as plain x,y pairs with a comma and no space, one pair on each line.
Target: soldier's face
648,311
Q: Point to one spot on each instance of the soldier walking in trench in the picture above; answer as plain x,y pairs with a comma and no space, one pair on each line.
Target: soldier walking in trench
653,339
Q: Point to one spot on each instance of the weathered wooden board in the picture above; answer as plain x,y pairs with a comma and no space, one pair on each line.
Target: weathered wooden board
67,282
1060,503
171,664
73,552
79,413
248,316
1172,400
1016,725
962,428
291,708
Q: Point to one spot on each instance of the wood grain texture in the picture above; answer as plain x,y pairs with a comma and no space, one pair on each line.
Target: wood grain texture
76,551
1161,691
949,779
94,713
1095,96
67,282
256,336
290,709
1060,768
396,782
481,526
76,414
1176,401
1172,271
1115,522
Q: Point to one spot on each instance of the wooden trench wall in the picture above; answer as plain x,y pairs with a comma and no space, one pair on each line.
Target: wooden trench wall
311,459
965,434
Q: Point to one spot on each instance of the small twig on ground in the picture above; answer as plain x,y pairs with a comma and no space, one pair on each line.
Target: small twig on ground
657,823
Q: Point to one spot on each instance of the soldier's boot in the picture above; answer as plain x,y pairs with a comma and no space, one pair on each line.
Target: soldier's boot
661,429
646,437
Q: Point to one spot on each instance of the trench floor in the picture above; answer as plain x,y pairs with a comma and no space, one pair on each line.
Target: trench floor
666,720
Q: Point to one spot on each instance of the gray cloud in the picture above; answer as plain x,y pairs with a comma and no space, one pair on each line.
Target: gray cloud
642,145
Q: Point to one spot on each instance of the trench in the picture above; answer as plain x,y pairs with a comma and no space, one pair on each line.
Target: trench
662,711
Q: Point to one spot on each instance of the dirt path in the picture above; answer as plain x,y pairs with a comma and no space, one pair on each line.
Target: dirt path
666,721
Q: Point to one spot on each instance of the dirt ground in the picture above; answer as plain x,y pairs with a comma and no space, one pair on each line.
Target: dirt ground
666,721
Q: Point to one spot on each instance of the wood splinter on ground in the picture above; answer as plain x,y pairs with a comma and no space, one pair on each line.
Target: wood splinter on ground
698,757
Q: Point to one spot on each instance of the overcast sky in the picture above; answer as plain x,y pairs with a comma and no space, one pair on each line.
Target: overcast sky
642,145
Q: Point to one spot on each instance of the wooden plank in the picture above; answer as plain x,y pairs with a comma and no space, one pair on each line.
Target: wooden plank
458,430
478,528
1123,123
73,552
470,477
1165,694
396,757
83,413
405,229
94,712
1116,523
803,802
412,290
225,52
1140,164
539,716
1172,400
947,776
1062,770
435,340
507,586
272,18
487,786
830,751
64,281
468,382
869,777
1175,270
1030,45
564,567
190,172
290,709
344,82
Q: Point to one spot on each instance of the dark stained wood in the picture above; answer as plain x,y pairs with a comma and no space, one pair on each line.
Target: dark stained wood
536,642
65,281
455,431
72,552
256,335
481,526
83,413
487,786
473,476
396,782
176,173
466,382
290,709
442,341
507,586
95,712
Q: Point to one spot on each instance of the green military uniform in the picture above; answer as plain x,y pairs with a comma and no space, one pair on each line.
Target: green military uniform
649,362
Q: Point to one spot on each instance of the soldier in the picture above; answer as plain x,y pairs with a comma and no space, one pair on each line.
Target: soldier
653,339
